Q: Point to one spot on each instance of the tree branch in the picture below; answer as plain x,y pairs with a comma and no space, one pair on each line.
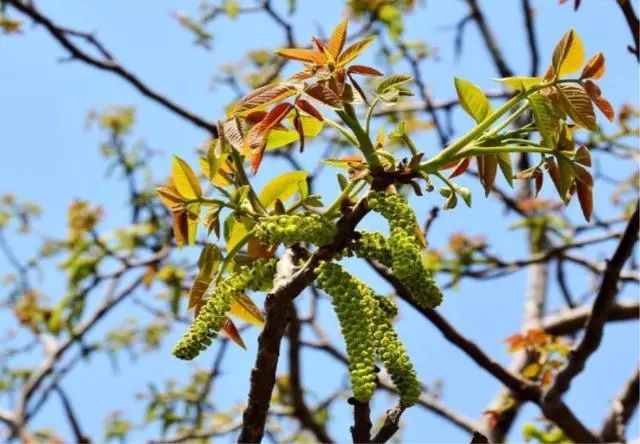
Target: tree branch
570,321
390,426
600,313
361,429
79,437
622,408
634,25
108,63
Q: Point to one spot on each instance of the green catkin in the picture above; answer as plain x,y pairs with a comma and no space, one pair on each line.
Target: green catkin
372,245
408,267
387,305
212,315
364,320
406,257
353,316
293,228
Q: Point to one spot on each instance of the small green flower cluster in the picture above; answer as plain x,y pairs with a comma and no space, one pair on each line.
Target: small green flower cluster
372,245
354,324
293,228
387,305
364,321
406,257
212,315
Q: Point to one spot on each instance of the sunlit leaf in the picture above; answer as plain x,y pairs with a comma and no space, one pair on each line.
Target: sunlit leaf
308,108
460,167
303,55
364,70
260,98
353,51
344,162
504,162
521,83
392,82
568,55
169,197
244,308
335,44
282,187
577,103
197,291
595,67
324,95
184,179
230,331
596,96
473,100
545,119
180,227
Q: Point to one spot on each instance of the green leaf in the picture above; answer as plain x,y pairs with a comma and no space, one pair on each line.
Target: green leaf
235,229
184,179
521,83
473,100
282,187
567,174
545,119
209,258
392,82
568,55
283,137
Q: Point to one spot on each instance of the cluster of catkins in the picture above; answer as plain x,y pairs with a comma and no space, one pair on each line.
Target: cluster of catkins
294,228
404,251
369,336
257,276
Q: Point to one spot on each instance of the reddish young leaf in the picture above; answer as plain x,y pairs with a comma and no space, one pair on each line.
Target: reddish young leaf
596,96
358,88
538,177
339,81
297,124
585,197
232,133
583,156
229,329
318,44
554,173
261,98
323,94
487,169
461,167
180,227
170,197
595,67
303,55
364,70
256,140
576,102
335,44
308,108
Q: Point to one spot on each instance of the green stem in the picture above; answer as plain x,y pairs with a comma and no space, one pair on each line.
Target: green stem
372,107
347,135
335,206
232,253
244,180
506,121
364,142
488,150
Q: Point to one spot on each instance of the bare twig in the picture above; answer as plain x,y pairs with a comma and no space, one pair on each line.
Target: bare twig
622,408
390,426
634,25
79,436
572,320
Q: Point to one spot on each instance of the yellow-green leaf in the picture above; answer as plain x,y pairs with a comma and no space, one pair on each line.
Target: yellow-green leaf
568,55
473,100
545,120
283,137
184,179
283,187
355,50
236,229
244,308
521,83
198,288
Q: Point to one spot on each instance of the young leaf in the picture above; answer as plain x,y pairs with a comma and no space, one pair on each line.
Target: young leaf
184,179
567,175
308,108
364,70
583,157
282,187
232,133
504,162
568,55
585,197
256,141
473,100
244,308
595,67
230,331
260,98
169,197
460,168
577,103
392,82
180,227
596,96
303,55
521,83
279,138
487,169
324,95
546,121
196,293
353,51
192,225
335,44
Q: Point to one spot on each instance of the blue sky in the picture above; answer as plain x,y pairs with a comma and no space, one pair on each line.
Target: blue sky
50,157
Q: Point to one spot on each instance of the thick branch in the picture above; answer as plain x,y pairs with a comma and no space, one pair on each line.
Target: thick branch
600,313
108,63
622,408
634,25
571,321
